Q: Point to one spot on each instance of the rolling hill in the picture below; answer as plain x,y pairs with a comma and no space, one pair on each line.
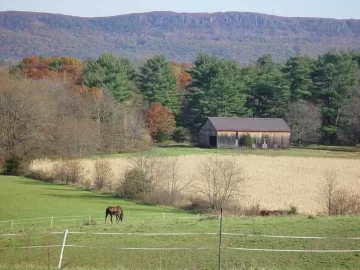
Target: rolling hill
179,36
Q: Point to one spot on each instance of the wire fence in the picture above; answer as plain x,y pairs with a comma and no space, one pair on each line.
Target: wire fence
53,220
220,234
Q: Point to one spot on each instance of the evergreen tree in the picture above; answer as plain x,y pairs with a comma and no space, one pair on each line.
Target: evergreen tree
268,89
217,89
111,73
333,78
298,72
158,84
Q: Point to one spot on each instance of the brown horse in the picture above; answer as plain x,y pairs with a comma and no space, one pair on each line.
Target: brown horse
114,210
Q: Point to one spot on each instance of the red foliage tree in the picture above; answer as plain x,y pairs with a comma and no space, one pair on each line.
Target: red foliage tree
160,119
54,68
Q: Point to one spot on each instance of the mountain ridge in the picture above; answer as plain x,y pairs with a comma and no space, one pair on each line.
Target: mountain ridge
242,36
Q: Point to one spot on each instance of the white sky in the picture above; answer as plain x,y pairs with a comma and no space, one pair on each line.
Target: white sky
340,9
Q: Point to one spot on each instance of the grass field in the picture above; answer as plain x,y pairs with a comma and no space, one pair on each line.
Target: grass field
22,198
310,151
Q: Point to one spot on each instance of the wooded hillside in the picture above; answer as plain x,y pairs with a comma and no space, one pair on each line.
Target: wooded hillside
178,36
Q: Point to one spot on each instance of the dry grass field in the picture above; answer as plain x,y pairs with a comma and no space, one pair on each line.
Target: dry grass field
271,182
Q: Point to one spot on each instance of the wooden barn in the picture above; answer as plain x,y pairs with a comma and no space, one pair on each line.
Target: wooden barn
226,132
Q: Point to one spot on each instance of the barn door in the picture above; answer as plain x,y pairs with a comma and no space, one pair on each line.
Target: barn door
213,141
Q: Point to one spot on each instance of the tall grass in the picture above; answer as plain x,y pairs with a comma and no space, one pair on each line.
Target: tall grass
271,182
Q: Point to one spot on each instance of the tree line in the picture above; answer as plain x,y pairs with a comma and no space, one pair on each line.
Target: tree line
116,104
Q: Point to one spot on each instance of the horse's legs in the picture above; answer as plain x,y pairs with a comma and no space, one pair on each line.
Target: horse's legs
106,217
111,217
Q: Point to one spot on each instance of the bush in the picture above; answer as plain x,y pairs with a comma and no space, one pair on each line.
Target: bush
103,174
198,205
246,141
181,135
135,185
162,136
41,175
12,165
69,171
293,210
337,200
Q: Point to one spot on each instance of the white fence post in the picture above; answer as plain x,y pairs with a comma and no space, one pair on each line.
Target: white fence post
51,221
220,239
62,248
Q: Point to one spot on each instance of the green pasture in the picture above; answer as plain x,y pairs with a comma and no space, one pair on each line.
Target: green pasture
310,151
23,200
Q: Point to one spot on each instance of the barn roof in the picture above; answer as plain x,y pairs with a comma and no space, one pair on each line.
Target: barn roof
249,124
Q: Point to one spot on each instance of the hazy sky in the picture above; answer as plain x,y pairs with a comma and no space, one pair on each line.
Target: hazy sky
340,9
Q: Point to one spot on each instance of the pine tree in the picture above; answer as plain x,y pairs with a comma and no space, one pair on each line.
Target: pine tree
217,89
333,78
268,89
298,72
112,74
158,84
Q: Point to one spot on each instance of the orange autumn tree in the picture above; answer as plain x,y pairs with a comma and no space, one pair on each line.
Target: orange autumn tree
65,69
160,122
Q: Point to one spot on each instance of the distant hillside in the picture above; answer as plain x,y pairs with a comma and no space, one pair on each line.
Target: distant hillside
179,36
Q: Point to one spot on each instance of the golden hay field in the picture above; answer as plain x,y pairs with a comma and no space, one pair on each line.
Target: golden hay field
272,182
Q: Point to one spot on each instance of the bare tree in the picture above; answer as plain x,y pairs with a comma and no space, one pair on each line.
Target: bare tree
152,168
175,182
26,117
304,119
328,191
136,133
222,180
75,137
103,175
337,200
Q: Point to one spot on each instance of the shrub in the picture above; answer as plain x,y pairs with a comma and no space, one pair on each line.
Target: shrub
337,200
293,210
12,165
246,141
198,205
69,171
162,136
41,175
103,174
181,135
135,185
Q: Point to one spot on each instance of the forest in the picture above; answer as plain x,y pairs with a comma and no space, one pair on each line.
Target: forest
241,36
63,106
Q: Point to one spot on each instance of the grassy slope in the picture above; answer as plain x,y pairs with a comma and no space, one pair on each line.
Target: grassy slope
28,199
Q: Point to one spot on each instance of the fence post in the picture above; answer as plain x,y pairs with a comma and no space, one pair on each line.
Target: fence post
62,248
220,239
51,221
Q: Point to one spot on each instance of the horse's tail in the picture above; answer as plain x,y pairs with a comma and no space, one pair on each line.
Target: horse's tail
121,215
106,213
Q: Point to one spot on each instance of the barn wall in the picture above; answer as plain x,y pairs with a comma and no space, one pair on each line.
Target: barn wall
205,132
227,139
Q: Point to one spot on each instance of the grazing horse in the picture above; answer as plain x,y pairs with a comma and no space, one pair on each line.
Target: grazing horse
114,210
